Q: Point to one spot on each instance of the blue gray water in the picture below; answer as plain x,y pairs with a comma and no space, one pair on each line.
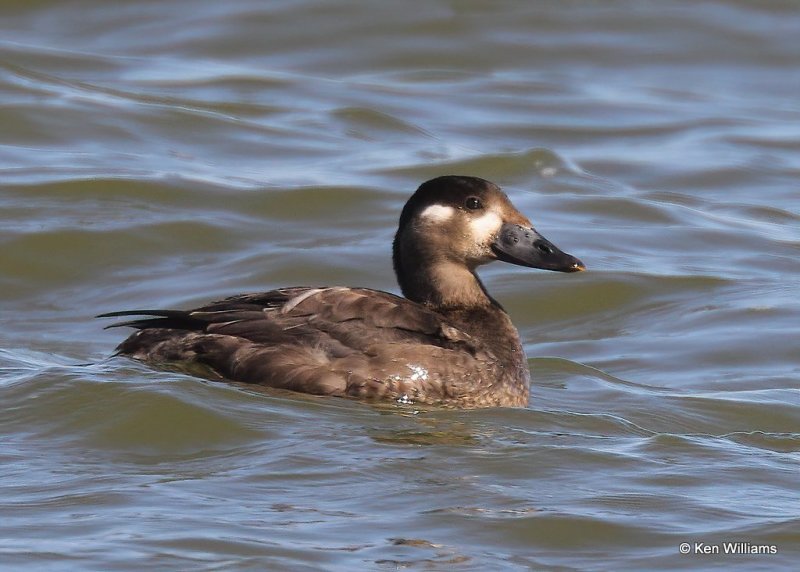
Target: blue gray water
163,154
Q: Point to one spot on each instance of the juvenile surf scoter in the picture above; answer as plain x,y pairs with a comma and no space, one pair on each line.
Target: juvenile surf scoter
448,342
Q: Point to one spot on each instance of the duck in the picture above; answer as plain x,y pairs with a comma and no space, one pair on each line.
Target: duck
444,342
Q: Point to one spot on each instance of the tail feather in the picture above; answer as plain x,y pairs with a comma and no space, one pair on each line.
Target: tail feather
174,319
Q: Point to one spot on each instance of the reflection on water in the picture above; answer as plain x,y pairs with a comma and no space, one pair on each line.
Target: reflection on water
152,156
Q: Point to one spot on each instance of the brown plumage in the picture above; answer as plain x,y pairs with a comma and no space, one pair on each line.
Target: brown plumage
448,342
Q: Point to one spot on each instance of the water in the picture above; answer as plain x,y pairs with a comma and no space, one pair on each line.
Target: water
153,155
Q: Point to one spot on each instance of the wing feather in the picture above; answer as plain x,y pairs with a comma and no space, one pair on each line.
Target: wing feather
340,341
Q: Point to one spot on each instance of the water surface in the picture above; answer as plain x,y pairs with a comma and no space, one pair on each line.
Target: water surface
157,155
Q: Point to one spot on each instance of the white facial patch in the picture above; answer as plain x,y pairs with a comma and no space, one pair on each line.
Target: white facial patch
485,227
437,213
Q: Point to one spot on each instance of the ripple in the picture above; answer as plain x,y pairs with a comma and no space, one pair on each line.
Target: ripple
372,125
512,167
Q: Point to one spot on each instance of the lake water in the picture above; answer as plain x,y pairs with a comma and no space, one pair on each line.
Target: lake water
164,154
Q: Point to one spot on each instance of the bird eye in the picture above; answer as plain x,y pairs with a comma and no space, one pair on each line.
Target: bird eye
473,203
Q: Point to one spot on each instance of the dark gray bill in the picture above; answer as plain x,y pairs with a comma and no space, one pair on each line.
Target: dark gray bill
526,247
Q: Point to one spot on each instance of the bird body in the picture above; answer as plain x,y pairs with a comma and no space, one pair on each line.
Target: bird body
446,343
